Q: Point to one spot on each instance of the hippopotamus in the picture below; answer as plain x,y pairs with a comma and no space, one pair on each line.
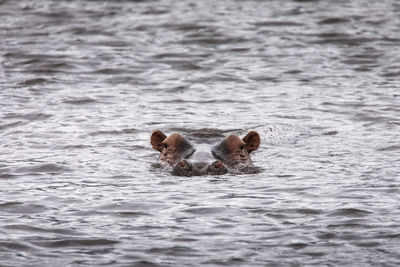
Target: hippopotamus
230,154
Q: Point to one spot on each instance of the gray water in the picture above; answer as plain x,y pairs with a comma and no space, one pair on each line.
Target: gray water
84,83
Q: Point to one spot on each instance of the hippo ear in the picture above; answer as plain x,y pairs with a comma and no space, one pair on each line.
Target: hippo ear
252,140
157,137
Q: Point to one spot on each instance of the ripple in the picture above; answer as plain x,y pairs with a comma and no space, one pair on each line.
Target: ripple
327,235
175,251
347,41
367,244
10,125
349,212
75,243
34,81
308,211
297,245
31,116
81,101
111,71
113,43
391,74
145,263
7,246
22,208
355,61
204,132
334,20
7,176
115,132
389,148
48,68
33,229
133,208
351,224
42,168
186,26
276,23
232,261
331,133
316,254
205,210
215,40
131,214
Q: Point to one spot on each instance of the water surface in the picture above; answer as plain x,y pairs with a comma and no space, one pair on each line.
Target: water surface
84,83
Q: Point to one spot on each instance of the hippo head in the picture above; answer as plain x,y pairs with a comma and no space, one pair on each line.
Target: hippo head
235,151
187,159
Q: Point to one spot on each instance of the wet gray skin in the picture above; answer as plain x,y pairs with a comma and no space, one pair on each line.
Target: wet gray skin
200,162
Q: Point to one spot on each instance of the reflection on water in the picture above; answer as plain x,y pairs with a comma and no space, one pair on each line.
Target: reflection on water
84,83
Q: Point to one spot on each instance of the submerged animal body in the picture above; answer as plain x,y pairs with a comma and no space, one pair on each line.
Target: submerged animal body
188,159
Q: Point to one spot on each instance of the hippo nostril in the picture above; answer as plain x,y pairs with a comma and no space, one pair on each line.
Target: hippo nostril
218,164
181,164
217,167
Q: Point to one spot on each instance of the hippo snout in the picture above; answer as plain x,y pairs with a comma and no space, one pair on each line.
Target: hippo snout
217,168
182,168
186,168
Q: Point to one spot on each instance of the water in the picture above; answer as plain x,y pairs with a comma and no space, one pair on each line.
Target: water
84,83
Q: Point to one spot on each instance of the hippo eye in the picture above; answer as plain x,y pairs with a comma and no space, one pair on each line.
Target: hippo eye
241,147
165,145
